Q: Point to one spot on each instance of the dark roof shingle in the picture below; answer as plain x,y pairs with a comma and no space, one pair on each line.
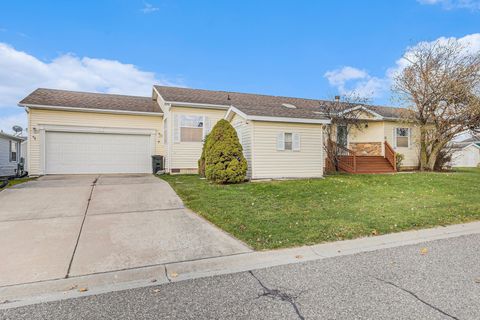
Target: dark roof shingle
262,105
88,100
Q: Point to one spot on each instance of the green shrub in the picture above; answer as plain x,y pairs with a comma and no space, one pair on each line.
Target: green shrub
224,160
201,161
399,158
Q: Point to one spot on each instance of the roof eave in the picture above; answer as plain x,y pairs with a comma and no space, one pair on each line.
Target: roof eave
91,110
197,105
275,119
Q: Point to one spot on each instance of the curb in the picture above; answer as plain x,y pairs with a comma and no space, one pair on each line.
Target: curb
53,290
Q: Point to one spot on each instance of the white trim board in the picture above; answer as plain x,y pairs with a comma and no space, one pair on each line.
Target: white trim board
275,119
91,110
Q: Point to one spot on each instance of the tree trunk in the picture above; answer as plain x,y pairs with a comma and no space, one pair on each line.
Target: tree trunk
434,155
423,151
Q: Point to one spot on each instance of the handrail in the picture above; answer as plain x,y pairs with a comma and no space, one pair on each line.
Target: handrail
346,158
391,155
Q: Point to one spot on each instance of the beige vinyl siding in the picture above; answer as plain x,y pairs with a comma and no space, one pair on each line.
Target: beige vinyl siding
268,162
374,132
185,155
86,119
411,153
244,132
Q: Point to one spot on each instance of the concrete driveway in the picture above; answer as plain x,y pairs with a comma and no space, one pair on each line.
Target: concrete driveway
68,226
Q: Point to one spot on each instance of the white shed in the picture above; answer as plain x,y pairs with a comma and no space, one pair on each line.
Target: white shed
467,156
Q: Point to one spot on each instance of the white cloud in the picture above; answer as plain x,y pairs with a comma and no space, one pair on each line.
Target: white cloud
350,79
454,4
21,73
149,8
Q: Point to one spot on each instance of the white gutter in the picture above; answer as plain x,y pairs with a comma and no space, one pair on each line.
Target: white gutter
275,119
197,105
36,106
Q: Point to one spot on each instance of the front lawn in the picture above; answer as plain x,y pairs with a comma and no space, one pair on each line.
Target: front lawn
17,181
279,214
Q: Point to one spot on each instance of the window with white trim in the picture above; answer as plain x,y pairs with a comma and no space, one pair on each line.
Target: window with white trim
402,137
288,141
191,128
13,151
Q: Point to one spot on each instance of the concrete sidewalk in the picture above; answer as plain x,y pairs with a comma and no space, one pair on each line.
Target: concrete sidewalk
174,272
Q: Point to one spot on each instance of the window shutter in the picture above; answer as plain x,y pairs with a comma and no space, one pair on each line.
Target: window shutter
296,142
207,126
281,141
176,128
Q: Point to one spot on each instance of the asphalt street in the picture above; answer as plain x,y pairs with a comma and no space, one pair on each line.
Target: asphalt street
432,280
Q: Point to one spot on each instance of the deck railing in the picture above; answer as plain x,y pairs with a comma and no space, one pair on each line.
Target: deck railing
391,155
346,158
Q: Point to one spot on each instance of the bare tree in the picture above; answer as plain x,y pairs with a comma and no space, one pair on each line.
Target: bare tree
440,86
345,113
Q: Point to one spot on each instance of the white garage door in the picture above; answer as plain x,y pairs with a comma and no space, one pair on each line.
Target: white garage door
75,153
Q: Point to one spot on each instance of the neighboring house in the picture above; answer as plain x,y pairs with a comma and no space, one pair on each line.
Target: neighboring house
79,132
10,154
466,152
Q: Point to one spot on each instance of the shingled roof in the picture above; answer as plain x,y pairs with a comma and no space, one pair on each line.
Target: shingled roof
88,100
263,105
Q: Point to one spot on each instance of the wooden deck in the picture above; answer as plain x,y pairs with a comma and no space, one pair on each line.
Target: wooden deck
349,162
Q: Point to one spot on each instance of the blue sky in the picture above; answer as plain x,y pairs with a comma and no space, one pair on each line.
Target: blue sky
295,48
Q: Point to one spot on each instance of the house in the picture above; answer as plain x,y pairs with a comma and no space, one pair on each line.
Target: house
10,154
466,152
282,137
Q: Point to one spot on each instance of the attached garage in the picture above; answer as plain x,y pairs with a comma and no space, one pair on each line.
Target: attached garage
83,152
88,133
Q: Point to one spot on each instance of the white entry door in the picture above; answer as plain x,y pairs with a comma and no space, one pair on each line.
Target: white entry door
78,153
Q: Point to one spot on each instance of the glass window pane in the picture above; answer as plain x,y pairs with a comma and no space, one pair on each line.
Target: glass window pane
402,142
191,121
191,134
288,141
402,132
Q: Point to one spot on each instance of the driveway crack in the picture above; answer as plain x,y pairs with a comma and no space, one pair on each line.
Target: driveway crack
277,294
81,227
166,274
413,294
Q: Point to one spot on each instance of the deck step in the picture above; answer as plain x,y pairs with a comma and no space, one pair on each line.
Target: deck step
373,164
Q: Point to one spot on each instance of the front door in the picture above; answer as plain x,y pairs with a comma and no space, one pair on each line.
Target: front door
342,133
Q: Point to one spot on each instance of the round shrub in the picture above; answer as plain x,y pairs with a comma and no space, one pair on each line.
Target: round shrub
224,160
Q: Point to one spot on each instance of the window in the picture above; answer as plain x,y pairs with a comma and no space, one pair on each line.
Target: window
287,141
402,137
342,135
191,128
13,151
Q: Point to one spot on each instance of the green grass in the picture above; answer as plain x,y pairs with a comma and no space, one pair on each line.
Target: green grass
280,214
17,181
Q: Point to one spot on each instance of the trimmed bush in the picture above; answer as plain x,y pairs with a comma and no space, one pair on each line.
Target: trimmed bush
201,161
224,160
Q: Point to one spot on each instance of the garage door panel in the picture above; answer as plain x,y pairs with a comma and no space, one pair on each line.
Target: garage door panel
67,152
